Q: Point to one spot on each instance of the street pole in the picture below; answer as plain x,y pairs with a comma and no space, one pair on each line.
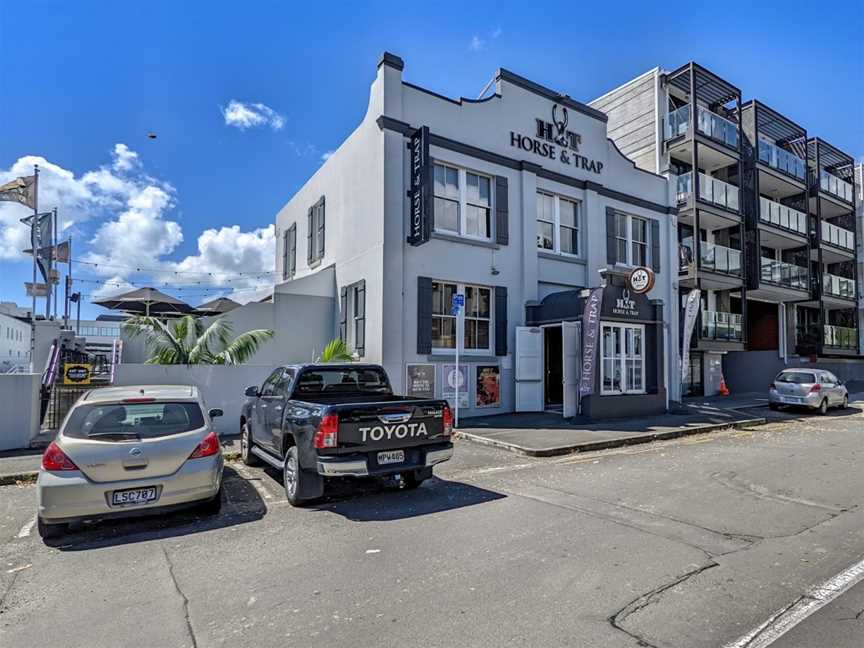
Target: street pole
55,286
35,252
458,371
49,264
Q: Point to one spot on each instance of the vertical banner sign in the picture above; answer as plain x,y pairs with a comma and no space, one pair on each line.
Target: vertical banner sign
590,341
420,224
691,310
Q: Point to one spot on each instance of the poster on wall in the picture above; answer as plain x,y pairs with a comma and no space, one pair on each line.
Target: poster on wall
488,392
420,380
451,377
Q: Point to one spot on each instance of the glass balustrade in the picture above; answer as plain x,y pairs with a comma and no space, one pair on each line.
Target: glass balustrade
718,258
718,192
835,186
677,122
782,216
784,274
782,160
838,286
717,325
838,236
841,336
684,186
716,127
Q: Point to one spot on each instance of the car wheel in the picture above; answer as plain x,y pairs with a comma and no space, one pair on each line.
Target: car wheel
246,455
823,407
845,404
50,531
773,406
292,476
214,505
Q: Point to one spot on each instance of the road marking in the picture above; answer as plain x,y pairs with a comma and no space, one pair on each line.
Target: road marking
27,528
783,620
252,479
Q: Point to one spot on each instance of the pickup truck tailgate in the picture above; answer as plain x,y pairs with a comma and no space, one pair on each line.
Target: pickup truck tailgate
381,426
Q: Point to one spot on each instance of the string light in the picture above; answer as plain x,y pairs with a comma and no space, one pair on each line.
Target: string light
175,272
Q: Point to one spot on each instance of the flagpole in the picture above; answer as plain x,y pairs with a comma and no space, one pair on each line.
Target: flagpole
54,258
35,252
49,263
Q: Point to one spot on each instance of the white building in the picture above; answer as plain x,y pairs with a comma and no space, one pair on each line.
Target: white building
14,343
523,203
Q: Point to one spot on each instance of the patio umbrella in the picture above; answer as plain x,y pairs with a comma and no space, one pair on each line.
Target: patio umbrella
217,306
146,301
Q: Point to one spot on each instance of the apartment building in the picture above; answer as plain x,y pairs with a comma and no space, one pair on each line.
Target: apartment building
519,203
766,228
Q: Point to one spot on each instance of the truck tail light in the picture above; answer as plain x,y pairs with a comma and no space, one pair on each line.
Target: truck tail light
55,460
327,434
447,418
208,447
816,388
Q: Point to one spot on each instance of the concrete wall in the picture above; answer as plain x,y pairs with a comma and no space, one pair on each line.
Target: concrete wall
752,371
220,386
19,403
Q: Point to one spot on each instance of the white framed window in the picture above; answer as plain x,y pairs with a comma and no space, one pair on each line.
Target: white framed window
477,317
557,224
631,235
622,370
463,202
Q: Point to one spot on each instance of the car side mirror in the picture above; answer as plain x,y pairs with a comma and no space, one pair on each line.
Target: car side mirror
252,391
215,413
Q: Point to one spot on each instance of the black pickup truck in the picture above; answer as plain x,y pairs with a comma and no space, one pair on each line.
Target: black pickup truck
320,421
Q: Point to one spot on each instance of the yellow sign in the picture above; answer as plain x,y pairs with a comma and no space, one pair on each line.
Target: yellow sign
76,374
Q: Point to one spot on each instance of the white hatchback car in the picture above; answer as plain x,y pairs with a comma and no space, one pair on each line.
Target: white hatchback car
130,450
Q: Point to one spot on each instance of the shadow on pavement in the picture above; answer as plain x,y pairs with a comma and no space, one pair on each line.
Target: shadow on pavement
241,504
371,502
791,412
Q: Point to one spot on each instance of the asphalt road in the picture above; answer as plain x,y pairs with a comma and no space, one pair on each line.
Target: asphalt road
686,543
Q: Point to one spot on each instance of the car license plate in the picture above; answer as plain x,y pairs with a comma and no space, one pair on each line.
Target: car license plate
134,496
790,399
391,457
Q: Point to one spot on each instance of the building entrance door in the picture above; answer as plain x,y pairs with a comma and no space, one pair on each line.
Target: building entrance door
553,368
529,369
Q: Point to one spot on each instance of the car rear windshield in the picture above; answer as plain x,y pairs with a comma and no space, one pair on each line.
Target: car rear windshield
796,377
323,382
110,421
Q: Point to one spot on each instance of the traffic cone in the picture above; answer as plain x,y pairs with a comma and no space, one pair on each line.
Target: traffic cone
724,390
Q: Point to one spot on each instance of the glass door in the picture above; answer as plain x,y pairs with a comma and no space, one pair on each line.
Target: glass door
623,366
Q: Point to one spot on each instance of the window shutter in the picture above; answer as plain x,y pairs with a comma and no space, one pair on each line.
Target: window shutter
502,225
360,321
285,254
655,246
424,315
500,320
293,258
310,222
321,237
611,243
343,313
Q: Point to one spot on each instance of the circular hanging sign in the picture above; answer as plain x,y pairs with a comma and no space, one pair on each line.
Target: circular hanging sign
641,280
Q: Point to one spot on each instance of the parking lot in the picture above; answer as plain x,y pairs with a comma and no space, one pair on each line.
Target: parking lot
688,543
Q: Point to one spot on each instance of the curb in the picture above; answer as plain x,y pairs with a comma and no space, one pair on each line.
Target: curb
29,476
590,446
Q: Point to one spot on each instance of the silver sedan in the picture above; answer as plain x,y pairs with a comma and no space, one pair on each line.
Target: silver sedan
816,389
130,450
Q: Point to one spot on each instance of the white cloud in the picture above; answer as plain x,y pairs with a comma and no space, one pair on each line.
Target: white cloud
326,155
115,285
250,115
477,44
125,159
497,32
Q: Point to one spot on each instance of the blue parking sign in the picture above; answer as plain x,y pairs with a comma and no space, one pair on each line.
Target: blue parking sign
458,300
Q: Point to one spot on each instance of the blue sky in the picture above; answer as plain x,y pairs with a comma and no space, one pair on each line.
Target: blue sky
78,79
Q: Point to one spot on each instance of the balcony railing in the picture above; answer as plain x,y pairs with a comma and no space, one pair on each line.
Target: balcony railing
838,286
717,325
784,274
843,337
782,216
782,160
835,186
711,190
838,236
717,258
677,123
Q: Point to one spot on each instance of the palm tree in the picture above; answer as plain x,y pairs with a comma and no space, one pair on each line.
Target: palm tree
188,341
336,351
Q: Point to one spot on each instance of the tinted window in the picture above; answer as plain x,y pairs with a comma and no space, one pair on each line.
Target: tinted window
342,381
133,420
796,377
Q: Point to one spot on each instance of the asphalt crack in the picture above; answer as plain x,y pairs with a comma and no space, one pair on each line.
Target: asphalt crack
183,596
6,593
730,480
644,600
